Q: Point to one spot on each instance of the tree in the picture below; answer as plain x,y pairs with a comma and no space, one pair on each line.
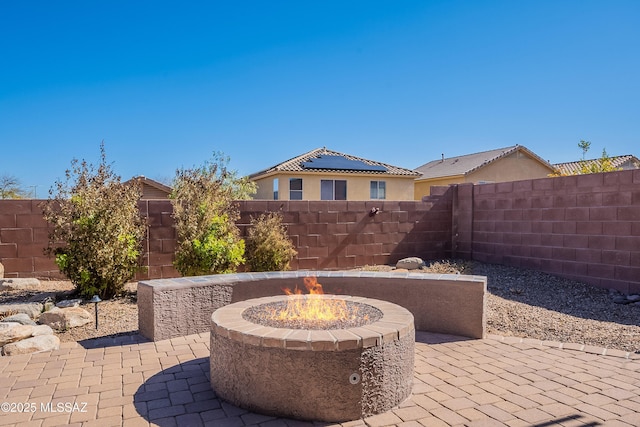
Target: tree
603,164
268,245
204,209
97,229
11,188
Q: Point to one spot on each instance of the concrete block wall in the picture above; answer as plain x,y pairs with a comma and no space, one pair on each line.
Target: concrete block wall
581,227
327,234
343,234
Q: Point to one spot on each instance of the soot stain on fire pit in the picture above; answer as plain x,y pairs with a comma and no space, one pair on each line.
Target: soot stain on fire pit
356,314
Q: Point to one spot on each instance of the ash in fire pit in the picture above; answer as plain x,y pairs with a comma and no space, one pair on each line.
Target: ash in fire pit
275,314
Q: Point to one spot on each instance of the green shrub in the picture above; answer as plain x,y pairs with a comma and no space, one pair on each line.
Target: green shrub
208,240
97,230
268,245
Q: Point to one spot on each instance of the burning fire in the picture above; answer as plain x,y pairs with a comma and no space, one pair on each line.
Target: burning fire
313,307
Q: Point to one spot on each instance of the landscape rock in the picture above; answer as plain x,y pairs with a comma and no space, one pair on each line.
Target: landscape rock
69,303
21,318
621,299
633,298
65,318
1,271
19,284
411,263
32,309
41,330
32,345
12,331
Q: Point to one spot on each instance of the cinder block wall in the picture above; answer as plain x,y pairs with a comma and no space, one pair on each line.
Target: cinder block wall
327,234
581,227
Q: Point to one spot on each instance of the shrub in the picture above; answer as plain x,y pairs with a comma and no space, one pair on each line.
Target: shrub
208,240
268,245
97,230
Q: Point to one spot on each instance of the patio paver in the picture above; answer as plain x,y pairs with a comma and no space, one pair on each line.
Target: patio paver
497,381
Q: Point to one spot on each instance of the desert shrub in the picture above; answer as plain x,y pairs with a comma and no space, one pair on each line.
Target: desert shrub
97,230
204,210
268,245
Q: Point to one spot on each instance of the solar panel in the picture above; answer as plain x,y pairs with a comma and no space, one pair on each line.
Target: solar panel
327,161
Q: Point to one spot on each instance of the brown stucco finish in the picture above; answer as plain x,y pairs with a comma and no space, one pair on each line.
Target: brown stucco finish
324,375
447,303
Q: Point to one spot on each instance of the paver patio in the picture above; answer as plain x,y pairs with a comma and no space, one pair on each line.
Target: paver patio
496,381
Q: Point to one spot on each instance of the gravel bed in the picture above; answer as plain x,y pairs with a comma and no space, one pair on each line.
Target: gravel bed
522,303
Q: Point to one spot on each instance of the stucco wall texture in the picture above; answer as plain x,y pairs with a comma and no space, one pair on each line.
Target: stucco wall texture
583,227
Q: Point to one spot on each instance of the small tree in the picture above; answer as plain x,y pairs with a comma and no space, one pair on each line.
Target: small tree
97,228
208,240
11,188
268,245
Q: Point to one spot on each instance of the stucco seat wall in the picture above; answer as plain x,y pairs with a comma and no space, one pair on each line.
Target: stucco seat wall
446,303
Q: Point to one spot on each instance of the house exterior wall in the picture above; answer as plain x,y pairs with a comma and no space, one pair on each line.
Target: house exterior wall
149,192
358,186
422,188
516,166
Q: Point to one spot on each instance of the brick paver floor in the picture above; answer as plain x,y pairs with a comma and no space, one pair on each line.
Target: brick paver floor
129,381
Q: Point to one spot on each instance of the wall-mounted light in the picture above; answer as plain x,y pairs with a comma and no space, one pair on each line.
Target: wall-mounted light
374,211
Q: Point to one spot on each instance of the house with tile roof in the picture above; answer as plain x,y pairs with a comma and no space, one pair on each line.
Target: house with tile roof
324,174
625,162
501,165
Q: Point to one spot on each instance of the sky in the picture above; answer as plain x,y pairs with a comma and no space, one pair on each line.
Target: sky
167,84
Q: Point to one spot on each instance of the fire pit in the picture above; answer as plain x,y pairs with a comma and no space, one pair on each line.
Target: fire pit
315,368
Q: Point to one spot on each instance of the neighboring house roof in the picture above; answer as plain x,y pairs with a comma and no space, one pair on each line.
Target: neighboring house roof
619,162
158,187
324,160
464,165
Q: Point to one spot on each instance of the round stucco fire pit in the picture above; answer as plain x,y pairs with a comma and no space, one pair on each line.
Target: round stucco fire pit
347,371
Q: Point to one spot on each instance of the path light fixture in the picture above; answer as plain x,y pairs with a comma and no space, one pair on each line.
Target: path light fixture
96,299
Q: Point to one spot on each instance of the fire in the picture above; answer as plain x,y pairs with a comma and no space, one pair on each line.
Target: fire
313,307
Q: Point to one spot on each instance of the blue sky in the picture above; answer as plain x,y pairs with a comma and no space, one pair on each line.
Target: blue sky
165,84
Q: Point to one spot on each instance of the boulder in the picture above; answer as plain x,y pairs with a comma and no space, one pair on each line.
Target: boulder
411,263
41,330
65,318
19,284
31,345
32,309
21,318
12,331
69,303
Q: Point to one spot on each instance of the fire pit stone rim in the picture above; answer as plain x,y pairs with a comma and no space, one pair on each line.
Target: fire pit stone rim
396,322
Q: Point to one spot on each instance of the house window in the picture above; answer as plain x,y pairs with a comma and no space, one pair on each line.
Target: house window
275,189
333,189
378,190
295,189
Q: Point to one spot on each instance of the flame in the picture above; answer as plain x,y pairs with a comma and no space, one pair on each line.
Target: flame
313,307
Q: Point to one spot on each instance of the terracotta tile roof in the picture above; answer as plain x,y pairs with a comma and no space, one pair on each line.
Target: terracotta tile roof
464,165
344,163
622,162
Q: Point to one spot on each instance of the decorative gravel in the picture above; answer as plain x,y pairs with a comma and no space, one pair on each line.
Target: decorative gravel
356,314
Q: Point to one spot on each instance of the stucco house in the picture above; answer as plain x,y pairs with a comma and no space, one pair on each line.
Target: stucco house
625,162
323,174
501,165
151,189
